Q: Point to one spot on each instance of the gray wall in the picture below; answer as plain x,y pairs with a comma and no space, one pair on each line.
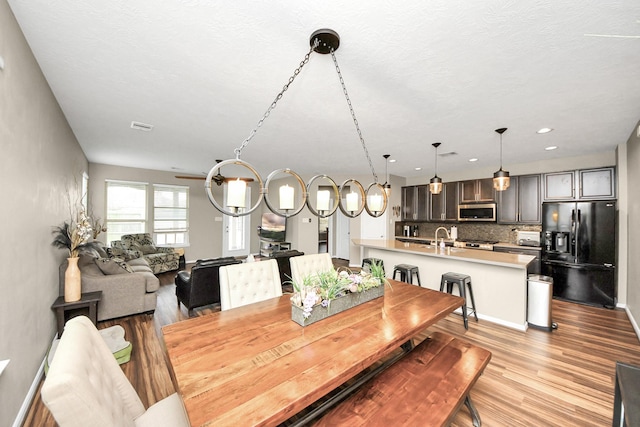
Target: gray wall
41,164
633,224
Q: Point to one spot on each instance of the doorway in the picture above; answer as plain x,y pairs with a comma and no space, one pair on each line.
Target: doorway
323,235
235,230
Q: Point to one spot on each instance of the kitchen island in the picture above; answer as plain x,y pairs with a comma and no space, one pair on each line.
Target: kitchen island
499,279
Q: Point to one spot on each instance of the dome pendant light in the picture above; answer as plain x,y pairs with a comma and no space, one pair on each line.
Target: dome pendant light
435,184
501,178
387,185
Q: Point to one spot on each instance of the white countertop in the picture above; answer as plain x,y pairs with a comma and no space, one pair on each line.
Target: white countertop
472,255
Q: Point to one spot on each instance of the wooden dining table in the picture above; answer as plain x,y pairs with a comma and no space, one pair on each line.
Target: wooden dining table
253,365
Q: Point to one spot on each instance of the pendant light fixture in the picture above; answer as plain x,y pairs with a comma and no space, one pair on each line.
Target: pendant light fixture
501,178
387,185
435,184
291,199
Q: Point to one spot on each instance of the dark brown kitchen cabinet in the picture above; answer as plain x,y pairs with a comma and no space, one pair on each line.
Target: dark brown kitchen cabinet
476,190
415,199
521,202
444,206
583,184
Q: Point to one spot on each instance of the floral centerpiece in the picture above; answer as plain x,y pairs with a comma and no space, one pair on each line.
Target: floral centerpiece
74,236
326,293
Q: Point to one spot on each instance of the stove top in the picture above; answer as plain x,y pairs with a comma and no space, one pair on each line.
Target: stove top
489,242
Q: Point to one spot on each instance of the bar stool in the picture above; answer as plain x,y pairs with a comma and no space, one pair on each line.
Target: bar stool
406,273
463,281
366,263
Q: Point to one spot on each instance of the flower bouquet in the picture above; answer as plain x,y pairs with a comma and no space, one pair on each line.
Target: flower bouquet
327,293
74,235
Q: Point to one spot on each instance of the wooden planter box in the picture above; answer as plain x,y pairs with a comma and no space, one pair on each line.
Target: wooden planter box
337,305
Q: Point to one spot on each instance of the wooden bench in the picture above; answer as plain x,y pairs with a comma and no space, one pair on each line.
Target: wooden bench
424,388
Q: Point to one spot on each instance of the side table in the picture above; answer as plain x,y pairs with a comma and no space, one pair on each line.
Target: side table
67,310
626,399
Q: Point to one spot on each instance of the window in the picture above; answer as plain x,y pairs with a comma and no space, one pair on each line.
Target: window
170,215
85,192
126,208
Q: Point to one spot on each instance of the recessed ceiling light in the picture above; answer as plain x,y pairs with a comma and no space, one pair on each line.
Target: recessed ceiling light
551,147
392,161
473,160
418,169
544,130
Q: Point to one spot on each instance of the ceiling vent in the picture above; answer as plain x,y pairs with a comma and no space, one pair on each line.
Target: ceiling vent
449,154
141,126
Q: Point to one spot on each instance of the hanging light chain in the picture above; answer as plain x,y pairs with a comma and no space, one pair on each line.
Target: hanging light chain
353,115
500,151
304,62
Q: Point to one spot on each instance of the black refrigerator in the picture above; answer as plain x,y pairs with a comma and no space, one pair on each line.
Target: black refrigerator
579,251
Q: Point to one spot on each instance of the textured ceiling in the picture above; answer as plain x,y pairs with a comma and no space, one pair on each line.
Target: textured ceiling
204,72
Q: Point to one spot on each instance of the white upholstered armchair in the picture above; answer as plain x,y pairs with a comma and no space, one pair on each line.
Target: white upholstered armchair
307,265
85,386
242,284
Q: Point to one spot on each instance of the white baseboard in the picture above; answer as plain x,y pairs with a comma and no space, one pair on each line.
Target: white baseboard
511,325
31,394
633,322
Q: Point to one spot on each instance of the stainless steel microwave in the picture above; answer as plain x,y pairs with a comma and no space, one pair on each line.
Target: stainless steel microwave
477,212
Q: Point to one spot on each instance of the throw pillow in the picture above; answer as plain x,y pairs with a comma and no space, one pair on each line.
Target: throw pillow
113,266
102,253
148,249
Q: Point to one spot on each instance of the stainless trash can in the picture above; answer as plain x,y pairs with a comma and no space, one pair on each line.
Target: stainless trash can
539,296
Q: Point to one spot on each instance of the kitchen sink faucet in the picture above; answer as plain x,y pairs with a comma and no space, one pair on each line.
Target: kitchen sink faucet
436,234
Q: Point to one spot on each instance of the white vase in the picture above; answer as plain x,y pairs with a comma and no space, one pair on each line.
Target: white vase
72,281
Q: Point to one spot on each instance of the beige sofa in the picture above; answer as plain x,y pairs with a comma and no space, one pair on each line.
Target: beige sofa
123,292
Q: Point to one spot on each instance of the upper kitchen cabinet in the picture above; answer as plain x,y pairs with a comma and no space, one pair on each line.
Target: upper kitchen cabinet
415,203
444,206
476,190
597,183
559,186
584,184
521,202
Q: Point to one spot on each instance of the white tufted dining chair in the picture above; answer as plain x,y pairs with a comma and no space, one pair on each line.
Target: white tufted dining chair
85,386
306,265
243,284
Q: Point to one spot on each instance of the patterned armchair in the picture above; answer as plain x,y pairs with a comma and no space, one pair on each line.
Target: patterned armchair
133,246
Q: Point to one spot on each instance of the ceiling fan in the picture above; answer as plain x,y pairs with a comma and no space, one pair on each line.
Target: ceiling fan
616,36
218,178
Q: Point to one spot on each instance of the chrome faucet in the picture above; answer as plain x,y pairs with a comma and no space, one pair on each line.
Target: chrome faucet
436,234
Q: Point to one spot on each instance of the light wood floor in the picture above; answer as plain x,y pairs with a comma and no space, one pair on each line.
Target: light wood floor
535,378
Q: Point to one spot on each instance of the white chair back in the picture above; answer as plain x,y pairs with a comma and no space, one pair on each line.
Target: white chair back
85,386
246,283
306,265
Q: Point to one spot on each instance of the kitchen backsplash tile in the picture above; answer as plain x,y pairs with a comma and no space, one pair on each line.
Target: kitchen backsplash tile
480,231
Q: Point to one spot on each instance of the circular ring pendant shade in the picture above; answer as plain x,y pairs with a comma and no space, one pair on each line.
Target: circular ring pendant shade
345,207
370,206
293,210
231,211
326,198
